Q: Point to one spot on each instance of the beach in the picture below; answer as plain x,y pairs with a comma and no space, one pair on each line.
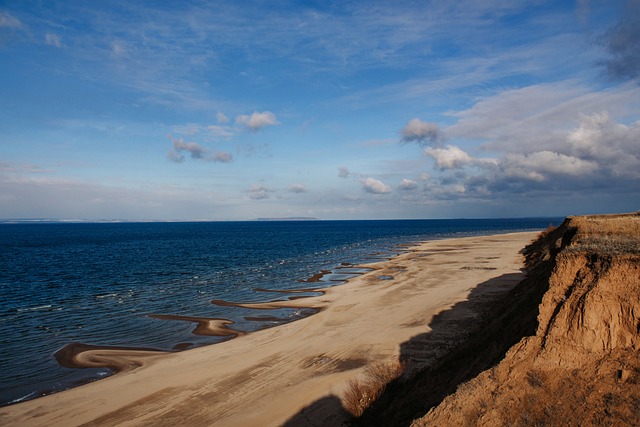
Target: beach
299,372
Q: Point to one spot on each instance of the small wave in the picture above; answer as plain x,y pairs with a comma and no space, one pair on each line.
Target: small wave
25,397
40,307
106,296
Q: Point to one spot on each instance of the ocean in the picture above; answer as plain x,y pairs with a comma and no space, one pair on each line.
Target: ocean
99,283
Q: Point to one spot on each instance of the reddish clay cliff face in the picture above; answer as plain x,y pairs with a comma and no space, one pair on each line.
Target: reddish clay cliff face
582,367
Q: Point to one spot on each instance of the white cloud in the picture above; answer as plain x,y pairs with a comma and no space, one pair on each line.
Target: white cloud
421,132
343,172
9,21
52,40
259,192
118,48
538,117
548,139
221,156
540,165
196,151
408,185
180,146
450,157
374,186
297,188
175,156
257,121
615,146
221,117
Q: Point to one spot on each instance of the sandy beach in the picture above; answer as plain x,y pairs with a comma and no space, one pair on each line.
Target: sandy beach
297,372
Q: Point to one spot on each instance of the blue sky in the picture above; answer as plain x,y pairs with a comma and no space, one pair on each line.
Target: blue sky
336,110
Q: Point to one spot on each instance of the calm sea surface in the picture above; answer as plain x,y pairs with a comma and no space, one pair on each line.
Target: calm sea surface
98,283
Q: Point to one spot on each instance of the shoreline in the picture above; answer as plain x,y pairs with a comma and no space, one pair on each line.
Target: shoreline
359,323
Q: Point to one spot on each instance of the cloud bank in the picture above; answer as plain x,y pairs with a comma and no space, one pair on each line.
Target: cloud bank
599,153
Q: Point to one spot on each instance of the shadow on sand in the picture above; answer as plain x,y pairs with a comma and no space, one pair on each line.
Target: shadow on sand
472,336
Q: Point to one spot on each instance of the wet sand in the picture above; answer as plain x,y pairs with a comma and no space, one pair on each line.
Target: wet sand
268,377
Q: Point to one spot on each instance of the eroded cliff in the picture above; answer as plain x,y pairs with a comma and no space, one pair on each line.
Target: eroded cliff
582,366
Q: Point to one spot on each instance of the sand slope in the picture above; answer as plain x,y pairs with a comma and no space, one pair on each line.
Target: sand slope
268,377
581,366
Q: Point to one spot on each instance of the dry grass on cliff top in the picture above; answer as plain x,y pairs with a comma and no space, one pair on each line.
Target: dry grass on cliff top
607,234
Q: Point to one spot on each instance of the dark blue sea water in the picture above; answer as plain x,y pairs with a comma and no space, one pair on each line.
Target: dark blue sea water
97,283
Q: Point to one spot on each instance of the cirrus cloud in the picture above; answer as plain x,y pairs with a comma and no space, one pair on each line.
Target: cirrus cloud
9,21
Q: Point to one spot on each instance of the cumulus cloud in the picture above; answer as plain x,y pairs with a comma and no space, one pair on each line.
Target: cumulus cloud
374,186
450,157
408,185
180,146
297,188
257,121
561,140
52,40
422,132
540,165
196,152
343,172
222,157
622,43
538,117
599,154
615,146
259,192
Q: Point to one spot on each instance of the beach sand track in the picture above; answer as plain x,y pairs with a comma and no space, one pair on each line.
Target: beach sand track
299,369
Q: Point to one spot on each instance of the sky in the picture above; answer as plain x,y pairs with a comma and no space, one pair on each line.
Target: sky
227,110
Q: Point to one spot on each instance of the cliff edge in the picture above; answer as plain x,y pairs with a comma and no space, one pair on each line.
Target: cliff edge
582,365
